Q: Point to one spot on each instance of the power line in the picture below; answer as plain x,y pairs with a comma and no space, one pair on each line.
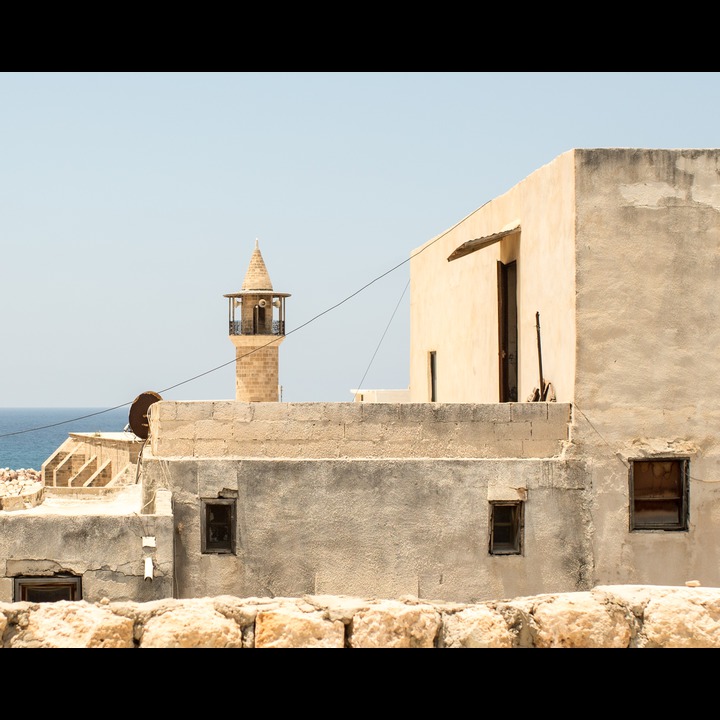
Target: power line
65,422
359,386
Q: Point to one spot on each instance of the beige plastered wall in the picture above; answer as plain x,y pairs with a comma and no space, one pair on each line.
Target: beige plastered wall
648,328
454,305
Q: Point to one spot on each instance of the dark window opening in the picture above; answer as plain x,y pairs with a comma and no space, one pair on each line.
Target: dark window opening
47,589
506,528
507,331
659,494
433,376
218,526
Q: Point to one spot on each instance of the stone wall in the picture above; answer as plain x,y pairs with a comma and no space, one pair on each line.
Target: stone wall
331,430
623,616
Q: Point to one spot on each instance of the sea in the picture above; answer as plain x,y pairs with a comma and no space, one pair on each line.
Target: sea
29,436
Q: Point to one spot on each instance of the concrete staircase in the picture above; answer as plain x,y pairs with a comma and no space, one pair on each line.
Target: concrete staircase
93,460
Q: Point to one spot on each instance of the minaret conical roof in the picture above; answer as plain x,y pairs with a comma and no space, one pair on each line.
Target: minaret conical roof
257,277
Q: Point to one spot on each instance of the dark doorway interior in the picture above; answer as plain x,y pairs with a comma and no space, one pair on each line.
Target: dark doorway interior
507,326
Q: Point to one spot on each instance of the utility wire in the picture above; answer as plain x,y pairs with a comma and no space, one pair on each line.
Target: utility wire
359,387
64,422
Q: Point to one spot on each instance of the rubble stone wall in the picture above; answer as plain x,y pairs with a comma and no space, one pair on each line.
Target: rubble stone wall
622,616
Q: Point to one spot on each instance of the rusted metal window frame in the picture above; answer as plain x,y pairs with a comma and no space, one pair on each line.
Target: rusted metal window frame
72,583
683,499
209,547
517,523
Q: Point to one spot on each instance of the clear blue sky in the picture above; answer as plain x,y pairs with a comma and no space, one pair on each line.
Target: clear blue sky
130,204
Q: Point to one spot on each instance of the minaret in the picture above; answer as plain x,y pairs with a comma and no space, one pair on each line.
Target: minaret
257,327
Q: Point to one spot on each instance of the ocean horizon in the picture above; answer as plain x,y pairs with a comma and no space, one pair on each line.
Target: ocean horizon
29,436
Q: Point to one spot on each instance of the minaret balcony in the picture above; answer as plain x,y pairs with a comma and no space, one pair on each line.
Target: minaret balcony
238,327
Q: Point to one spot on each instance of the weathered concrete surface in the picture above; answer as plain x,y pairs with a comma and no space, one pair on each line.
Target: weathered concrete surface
96,537
622,616
378,527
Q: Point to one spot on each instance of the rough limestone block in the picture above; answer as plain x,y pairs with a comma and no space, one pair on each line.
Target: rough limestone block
475,434
548,431
161,411
274,411
174,429
454,412
342,412
191,625
193,411
682,621
516,430
492,412
211,429
210,448
393,624
75,624
559,413
163,448
232,411
338,607
541,448
438,433
417,413
580,620
373,413
314,431
243,448
506,449
304,412
287,628
476,627
526,412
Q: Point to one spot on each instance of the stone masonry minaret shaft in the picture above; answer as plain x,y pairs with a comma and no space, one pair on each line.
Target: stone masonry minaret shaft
256,328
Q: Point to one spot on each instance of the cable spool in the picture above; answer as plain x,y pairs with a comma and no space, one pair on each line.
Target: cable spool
138,413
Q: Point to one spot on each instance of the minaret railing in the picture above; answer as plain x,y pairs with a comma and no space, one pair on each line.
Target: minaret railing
240,327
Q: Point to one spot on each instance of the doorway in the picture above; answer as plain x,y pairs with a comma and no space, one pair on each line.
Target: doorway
507,331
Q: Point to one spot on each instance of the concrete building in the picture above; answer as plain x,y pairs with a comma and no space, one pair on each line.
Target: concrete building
618,250
559,431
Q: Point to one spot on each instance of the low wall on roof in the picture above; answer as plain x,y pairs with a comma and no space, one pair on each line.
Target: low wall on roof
327,430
